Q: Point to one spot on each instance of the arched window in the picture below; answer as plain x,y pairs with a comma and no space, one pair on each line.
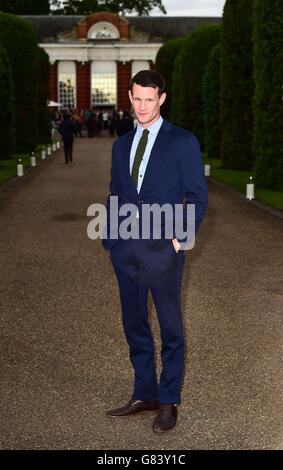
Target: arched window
103,30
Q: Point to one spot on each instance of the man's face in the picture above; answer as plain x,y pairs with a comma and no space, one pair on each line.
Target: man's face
146,104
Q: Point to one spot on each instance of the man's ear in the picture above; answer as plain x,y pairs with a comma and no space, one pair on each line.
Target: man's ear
162,99
130,96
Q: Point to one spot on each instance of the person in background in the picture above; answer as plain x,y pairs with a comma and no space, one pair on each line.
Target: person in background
82,121
66,130
98,123
125,124
86,118
90,124
113,119
77,123
105,116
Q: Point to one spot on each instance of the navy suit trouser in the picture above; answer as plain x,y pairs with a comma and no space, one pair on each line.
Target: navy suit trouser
140,268
68,149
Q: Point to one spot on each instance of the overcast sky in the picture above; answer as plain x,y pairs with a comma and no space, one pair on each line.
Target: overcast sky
192,8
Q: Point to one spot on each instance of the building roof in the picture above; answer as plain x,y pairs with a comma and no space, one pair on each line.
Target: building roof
49,27
53,28
169,27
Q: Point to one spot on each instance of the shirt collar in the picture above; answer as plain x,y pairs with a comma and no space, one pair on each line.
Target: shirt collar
153,129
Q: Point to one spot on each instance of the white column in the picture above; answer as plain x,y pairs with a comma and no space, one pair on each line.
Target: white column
138,65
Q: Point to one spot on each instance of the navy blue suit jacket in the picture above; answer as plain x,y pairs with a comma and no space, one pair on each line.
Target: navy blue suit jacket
174,173
66,129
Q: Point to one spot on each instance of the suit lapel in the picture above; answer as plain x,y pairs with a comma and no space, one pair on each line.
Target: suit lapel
126,161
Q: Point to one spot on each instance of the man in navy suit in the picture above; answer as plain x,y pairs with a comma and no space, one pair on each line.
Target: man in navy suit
156,163
66,130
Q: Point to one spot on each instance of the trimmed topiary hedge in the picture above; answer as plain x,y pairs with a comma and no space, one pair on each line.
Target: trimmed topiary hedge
44,117
188,78
7,107
165,65
211,97
236,85
267,104
176,91
18,38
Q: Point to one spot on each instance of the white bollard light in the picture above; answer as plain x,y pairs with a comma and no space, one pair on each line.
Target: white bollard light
207,170
54,147
58,144
49,151
250,189
32,160
43,154
20,168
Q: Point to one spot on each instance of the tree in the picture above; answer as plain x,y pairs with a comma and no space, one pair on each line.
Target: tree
165,65
44,116
189,75
25,7
85,7
236,85
7,107
211,92
176,91
267,104
18,38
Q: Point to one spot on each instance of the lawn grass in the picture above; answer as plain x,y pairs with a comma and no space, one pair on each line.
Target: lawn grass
8,168
238,180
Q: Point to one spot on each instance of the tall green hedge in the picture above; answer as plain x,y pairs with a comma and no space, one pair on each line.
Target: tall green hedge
7,107
188,78
44,116
19,39
165,65
237,86
176,91
267,104
211,97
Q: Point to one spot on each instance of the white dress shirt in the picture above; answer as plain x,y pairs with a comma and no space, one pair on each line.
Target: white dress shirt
153,131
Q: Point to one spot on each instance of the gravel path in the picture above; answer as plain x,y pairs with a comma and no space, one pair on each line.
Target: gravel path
64,359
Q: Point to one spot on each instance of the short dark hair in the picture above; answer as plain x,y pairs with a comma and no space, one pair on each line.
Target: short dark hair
149,78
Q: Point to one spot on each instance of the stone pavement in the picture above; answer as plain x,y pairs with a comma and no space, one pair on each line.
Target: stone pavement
64,360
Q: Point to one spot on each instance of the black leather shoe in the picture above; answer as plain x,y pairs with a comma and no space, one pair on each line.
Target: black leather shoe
135,407
166,418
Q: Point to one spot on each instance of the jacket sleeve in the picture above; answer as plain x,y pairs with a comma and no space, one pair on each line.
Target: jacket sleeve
113,188
194,188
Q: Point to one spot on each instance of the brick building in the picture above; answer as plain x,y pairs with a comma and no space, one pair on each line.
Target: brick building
93,58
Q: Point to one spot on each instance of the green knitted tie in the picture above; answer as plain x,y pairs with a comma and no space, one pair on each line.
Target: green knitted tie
138,157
